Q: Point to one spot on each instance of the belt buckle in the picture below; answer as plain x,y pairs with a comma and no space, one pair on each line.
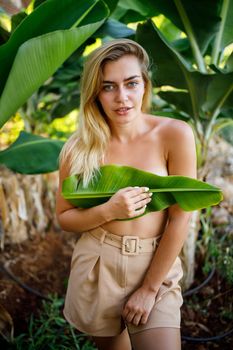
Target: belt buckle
130,245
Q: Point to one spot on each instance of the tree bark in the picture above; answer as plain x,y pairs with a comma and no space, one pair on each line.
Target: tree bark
27,205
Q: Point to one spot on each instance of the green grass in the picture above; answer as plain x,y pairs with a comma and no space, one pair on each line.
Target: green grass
50,331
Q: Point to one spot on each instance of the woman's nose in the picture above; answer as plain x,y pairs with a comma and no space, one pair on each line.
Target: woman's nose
122,94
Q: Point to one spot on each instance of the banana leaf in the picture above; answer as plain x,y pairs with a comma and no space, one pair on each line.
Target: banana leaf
202,15
207,92
32,154
50,16
36,61
189,193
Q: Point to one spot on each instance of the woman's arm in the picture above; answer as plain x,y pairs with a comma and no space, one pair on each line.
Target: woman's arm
181,159
74,219
120,206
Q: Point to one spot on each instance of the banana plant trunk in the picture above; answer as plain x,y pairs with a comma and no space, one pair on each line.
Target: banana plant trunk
27,205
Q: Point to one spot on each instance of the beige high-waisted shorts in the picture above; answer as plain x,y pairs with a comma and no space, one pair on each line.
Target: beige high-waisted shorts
105,270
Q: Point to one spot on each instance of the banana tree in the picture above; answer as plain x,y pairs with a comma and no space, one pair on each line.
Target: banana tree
203,92
39,45
32,154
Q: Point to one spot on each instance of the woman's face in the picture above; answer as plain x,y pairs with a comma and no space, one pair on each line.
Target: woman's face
122,90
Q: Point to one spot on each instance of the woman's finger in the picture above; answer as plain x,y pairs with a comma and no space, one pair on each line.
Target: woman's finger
139,211
130,316
144,319
137,191
137,318
142,203
141,197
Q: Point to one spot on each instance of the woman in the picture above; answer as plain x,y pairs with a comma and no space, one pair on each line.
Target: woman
123,288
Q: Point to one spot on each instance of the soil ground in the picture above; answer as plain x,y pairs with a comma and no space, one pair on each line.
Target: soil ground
43,264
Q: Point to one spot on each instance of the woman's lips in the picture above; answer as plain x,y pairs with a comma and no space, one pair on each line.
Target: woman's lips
123,110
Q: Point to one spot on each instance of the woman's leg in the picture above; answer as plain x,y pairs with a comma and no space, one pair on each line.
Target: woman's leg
157,339
119,342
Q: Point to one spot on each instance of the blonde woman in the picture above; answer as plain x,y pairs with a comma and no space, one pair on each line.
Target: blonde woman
123,287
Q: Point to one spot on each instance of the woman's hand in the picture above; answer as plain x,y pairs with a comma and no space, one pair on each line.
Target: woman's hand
138,307
128,202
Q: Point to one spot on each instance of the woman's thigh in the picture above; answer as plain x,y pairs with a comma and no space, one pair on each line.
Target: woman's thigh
119,342
157,339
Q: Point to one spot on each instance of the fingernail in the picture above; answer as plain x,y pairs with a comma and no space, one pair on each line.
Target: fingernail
136,186
146,189
150,194
145,206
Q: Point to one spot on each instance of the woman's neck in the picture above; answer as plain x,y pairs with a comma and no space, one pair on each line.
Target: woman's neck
128,133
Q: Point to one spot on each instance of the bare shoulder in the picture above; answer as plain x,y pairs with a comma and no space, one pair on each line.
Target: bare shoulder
175,128
171,130
178,142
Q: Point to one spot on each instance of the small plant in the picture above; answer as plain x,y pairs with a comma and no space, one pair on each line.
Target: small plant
51,332
215,244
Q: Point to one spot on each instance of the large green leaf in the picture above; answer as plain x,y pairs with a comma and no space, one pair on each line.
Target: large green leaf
170,68
222,123
207,92
50,16
94,14
189,193
180,99
227,132
219,92
111,4
32,154
168,65
229,63
63,87
202,15
224,36
36,60
114,29
146,8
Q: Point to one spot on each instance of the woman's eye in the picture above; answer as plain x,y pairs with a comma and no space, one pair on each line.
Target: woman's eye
108,87
132,84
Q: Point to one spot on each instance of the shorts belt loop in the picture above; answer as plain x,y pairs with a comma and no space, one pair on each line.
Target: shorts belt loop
102,238
154,243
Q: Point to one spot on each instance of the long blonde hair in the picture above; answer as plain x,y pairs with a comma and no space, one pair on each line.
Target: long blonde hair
85,149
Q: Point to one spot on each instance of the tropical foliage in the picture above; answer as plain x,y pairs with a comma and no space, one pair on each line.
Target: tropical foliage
189,193
25,148
197,76
188,41
37,47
